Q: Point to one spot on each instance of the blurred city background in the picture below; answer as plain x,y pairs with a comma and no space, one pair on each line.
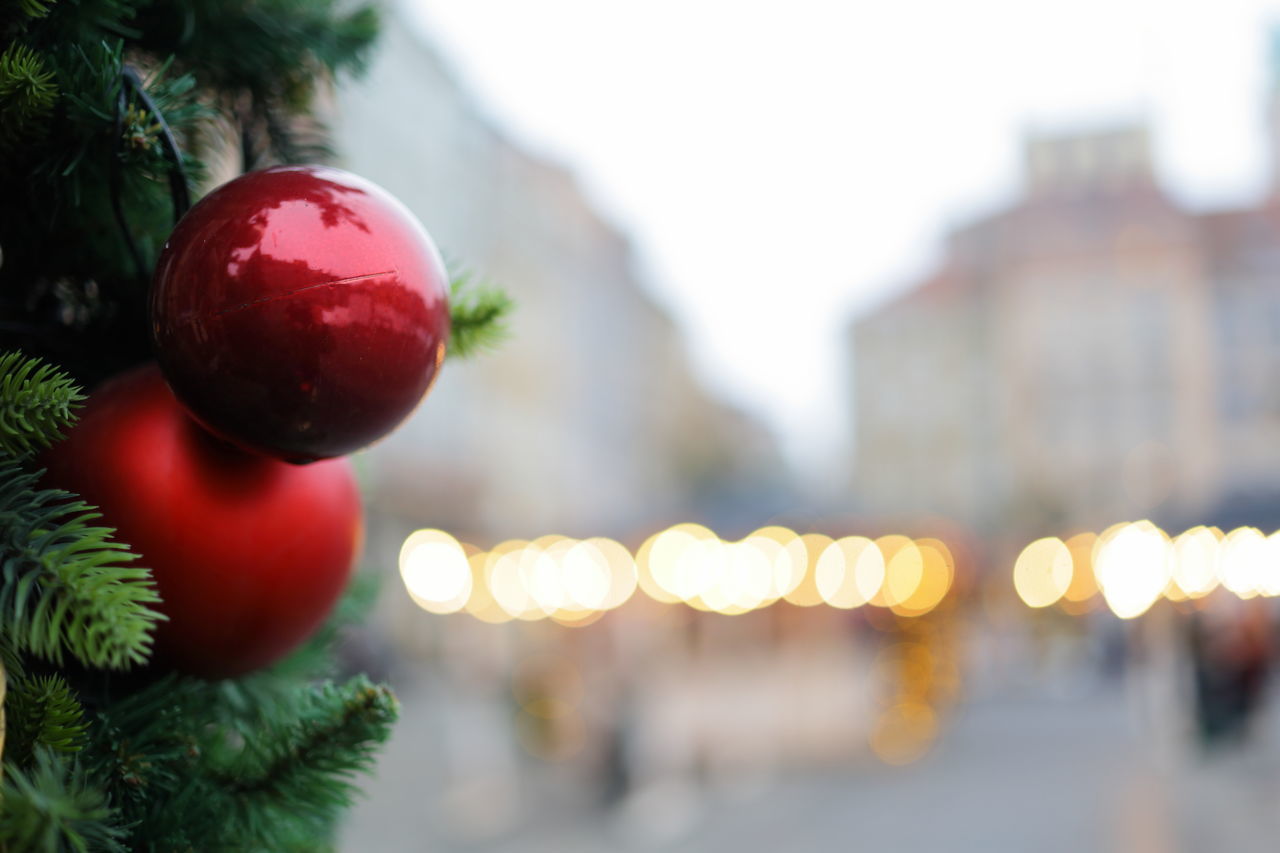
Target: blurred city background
886,447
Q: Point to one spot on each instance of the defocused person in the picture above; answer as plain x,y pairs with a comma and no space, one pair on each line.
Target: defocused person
1231,652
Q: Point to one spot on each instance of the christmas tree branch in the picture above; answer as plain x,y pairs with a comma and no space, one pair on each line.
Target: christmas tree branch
37,402
478,315
189,770
265,63
35,8
53,806
309,764
146,747
28,94
63,589
41,712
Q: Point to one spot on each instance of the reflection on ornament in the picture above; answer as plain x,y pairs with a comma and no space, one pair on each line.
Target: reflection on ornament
300,311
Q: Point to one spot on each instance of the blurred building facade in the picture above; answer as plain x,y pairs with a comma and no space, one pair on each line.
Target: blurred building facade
1095,352
587,421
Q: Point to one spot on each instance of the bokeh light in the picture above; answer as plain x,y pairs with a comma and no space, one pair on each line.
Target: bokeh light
1197,556
573,582
904,733
805,593
1042,572
1133,566
1270,580
850,572
435,571
621,567
788,558
481,604
936,576
505,579
1243,565
1084,585
903,570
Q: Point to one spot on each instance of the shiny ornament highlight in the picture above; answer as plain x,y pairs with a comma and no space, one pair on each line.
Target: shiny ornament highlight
300,311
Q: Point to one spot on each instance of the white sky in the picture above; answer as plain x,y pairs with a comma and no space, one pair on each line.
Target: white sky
783,164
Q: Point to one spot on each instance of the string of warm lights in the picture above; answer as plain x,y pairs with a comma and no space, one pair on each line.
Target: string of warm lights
1134,565
575,581
1131,565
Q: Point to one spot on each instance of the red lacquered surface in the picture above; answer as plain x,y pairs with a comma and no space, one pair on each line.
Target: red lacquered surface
300,311
249,553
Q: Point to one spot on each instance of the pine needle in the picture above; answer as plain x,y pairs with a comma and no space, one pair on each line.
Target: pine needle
309,764
35,8
42,711
54,806
187,773
478,316
28,93
37,403
63,587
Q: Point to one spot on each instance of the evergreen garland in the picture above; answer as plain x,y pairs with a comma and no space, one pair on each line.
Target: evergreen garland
477,316
37,403
27,96
99,751
65,590
54,806
42,712
263,762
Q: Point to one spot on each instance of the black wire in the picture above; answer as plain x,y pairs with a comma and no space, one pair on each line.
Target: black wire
131,84
177,175
114,180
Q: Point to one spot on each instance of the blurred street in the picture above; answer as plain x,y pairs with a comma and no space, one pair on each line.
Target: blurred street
997,572
1016,770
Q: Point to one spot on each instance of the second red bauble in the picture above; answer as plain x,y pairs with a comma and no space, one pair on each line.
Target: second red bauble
249,553
300,311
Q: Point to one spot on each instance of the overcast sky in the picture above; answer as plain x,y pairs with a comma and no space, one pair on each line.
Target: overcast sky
782,165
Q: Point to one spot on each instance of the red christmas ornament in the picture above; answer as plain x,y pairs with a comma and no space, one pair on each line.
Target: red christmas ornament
300,311
249,553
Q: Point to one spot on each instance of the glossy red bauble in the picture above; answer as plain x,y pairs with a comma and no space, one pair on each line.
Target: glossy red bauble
300,311
249,553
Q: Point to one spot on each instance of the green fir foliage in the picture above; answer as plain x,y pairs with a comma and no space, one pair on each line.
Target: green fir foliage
28,94
191,769
303,772
55,806
37,403
265,60
35,8
64,587
218,70
478,315
95,758
41,711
